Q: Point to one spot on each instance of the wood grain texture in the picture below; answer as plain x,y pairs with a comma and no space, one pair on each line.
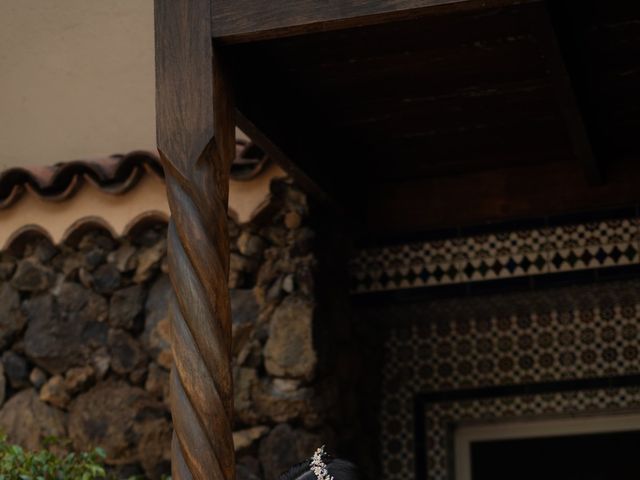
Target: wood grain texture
196,143
431,96
398,209
238,21
184,91
479,101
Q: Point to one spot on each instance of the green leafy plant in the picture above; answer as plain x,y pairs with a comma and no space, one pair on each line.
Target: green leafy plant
17,463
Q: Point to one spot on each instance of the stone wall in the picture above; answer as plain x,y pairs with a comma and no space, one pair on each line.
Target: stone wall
84,342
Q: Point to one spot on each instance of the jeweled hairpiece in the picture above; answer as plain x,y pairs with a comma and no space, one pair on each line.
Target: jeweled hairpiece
318,466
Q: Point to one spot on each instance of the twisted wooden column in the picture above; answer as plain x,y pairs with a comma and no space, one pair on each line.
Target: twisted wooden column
201,396
196,143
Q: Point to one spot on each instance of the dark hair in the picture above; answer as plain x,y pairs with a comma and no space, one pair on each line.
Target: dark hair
339,469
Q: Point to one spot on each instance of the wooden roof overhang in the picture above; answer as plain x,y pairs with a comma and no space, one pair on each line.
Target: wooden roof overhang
418,115
408,115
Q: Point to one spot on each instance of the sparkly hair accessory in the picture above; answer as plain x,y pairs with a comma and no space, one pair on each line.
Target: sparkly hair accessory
318,467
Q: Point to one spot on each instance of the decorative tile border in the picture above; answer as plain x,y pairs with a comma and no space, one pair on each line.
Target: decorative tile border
434,348
440,418
497,256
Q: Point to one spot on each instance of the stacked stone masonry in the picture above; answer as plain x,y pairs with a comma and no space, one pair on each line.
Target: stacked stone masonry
85,344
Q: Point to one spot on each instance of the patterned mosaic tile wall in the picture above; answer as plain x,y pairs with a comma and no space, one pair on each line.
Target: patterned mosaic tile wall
495,256
564,334
442,417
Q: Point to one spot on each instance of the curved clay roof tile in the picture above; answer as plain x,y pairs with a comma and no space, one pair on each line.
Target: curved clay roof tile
115,174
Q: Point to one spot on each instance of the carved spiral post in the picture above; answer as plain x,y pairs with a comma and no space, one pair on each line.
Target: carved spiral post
196,143
201,395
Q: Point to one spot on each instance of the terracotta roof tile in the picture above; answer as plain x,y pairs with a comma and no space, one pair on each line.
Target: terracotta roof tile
116,174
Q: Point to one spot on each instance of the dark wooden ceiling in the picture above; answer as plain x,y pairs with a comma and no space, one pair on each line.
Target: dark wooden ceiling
456,118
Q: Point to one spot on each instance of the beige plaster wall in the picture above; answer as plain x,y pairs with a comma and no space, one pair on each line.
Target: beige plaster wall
76,79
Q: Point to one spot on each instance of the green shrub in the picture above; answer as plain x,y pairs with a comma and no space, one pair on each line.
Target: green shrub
17,463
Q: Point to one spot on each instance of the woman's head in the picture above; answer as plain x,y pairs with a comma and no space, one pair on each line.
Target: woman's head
322,467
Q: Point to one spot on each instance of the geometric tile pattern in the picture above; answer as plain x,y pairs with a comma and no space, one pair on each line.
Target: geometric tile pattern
442,417
444,345
406,266
494,256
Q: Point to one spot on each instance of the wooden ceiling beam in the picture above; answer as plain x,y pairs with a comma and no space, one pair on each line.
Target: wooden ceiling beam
241,21
304,145
565,53
403,208
269,140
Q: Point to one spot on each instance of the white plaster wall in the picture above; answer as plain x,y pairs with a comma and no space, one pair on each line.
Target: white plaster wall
76,79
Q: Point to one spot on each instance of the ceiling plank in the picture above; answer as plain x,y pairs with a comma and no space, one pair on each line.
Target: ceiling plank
564,51
240,21
411,206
